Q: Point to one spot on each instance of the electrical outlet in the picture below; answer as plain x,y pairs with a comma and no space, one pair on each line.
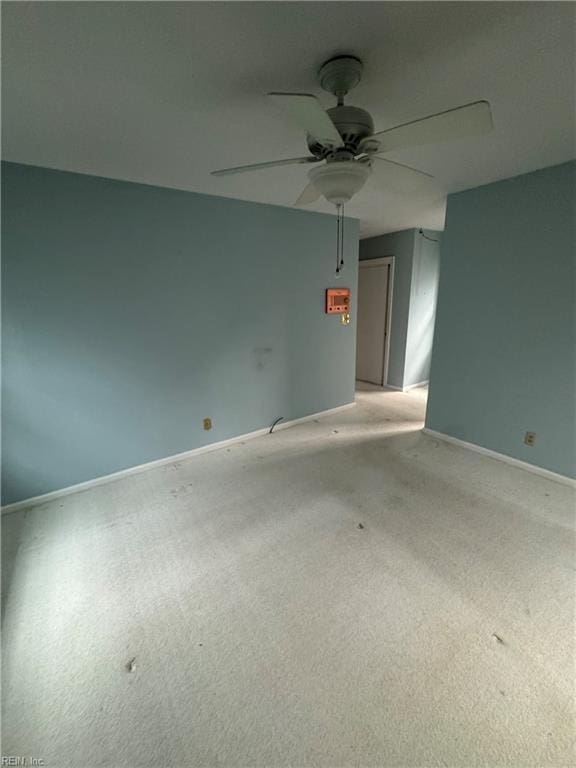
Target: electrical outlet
529,438
207,424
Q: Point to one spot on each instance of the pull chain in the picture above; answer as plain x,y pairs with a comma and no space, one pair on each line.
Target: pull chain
339,239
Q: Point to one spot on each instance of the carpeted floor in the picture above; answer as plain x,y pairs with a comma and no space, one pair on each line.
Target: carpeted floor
347,592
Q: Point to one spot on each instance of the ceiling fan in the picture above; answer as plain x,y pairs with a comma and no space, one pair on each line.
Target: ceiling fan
344,137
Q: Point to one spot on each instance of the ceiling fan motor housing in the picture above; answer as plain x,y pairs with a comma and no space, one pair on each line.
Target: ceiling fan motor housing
353,124
338,182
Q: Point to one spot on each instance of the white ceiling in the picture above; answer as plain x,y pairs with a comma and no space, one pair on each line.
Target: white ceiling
164,92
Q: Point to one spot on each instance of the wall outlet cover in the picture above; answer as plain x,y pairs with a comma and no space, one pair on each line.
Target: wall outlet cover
529,438
207,424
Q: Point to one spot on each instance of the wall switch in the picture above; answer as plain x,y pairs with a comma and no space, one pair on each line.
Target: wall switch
207,424
529,438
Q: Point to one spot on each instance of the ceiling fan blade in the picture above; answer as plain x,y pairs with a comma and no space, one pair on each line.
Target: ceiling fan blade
402,178
401,165
306,111
308,195
258,166
469,120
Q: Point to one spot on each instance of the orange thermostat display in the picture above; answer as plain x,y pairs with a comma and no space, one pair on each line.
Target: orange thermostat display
337,300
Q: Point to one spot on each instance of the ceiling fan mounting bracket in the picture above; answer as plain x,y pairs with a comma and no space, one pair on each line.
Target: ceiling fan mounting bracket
340,74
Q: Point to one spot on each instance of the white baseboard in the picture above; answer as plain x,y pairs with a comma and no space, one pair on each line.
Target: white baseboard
503,457
35,500
406,389
414,386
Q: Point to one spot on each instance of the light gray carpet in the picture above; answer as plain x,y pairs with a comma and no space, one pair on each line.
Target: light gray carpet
342,593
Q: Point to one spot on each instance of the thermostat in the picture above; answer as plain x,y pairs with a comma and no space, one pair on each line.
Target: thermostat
337,301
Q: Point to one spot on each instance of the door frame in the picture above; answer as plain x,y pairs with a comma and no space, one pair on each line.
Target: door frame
382,262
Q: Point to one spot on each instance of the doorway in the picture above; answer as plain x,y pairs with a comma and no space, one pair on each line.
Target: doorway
375,282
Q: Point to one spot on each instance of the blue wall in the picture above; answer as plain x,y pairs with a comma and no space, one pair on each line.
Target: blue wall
132,312
504,359
416,265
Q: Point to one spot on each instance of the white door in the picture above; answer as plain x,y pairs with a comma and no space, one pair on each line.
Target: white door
372,320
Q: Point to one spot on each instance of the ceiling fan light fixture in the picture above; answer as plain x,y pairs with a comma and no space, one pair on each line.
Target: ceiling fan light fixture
338,182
